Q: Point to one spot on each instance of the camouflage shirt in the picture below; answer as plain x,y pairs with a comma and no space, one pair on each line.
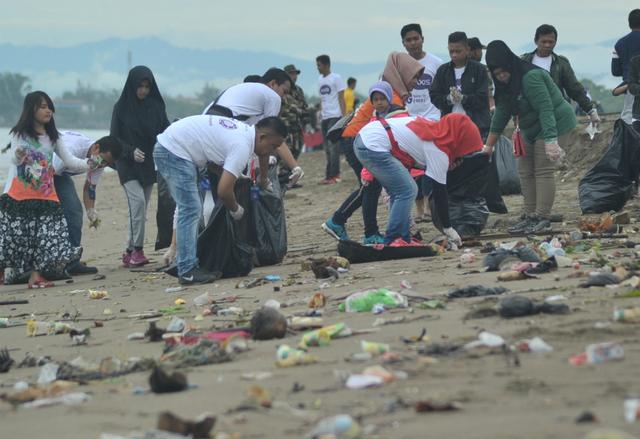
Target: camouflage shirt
295,114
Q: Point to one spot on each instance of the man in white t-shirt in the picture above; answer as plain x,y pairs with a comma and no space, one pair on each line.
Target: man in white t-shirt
251,102
419,103
106,151
331,87
215,141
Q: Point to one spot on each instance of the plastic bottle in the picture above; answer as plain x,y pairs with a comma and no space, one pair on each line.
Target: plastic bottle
365,301
4,322
631,409
629,315
601,352
341,426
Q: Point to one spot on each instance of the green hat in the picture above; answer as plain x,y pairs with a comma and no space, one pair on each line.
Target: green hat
291,68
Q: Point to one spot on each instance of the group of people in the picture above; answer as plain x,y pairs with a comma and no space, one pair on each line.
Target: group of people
420,121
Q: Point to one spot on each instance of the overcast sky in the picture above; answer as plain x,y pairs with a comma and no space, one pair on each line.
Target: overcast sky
352,30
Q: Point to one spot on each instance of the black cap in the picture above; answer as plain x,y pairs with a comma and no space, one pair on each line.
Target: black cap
474,44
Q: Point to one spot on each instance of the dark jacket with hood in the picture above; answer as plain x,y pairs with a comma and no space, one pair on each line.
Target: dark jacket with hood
137,123
475,90
563,75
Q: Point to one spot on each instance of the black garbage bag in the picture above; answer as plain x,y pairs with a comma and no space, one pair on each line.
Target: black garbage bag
224,245
610,183
507,167
164,215
269,224
468,210
357,253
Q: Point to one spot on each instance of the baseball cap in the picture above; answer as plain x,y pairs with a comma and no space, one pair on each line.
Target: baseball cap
474,43
291,68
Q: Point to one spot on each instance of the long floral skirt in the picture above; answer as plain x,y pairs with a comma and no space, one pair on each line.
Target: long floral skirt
33,236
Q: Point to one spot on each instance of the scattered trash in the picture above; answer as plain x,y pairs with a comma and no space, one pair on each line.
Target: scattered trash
598,353
176,325
98,295
136,336
180,301
378,308
74,398
287,356
256,376
364,301
301,323
4,322
174,289
486,340
431,304
48,373
267,324
339,427
323,336
501,258
164,382
198,429
628,315
202,300
374,348
5,360
272,303
631,409
363,381
536,345
586,417
80,337
475,291
436,406
520,306
231,311
273,278
405,285
467,257
319,300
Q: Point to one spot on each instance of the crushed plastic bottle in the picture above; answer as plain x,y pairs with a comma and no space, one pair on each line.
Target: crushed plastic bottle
286,356
602,352
4,322
551,250
48,373
202,300
365,301
176,325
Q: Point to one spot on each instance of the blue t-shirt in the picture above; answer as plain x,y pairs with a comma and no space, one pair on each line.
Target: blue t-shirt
626,48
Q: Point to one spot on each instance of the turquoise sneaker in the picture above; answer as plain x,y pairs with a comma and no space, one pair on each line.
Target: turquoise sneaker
373,239
335,230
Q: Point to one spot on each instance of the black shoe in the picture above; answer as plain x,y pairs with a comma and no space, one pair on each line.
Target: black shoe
521,226
78,269
199,276
539,225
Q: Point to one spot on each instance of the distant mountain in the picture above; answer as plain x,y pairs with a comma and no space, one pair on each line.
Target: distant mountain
179,70
183,71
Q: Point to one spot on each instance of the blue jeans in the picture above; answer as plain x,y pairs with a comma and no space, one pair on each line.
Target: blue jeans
395,178
71,206
182,178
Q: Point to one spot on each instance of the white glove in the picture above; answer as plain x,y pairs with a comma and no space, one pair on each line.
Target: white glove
138,155
453,236
487,150
296,174
94,219
553,151
594,117
238,214
169,256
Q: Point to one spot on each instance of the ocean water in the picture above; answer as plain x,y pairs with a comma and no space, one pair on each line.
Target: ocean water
5,158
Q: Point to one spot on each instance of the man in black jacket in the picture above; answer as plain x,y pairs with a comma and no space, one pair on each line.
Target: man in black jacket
460,86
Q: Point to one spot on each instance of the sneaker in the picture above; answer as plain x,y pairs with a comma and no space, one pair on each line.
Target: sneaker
373,239
138,259
335,230
399,242
521,226
199,276
126,259
539,225
79,268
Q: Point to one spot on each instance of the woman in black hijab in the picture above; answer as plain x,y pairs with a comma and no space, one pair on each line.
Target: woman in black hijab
545,120
138,117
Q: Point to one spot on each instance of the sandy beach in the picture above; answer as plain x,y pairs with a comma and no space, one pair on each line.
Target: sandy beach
541,396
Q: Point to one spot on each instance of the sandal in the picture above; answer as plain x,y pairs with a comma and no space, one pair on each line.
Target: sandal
41,282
